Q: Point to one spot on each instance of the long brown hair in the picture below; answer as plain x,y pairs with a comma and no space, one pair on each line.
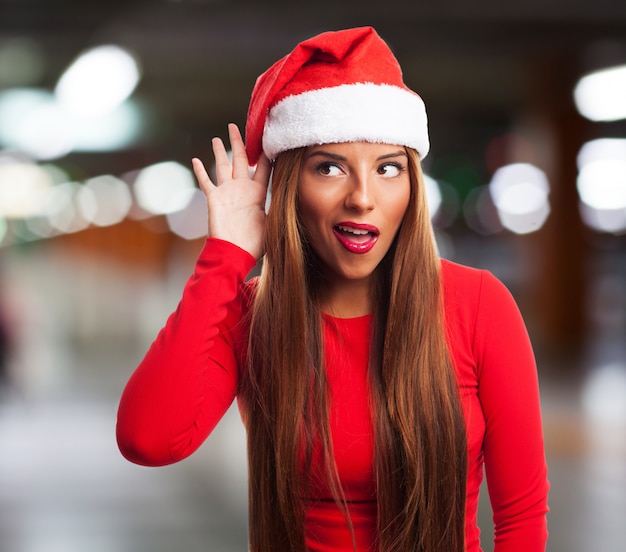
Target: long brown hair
420,443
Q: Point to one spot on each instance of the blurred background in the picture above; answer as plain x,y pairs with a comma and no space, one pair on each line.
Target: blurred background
103,103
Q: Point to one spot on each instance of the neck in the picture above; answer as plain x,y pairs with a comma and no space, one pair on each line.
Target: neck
348,299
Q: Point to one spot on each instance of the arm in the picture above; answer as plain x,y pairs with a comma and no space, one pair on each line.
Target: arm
189,376
513,445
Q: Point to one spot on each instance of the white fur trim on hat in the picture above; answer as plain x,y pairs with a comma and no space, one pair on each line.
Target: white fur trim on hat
362,112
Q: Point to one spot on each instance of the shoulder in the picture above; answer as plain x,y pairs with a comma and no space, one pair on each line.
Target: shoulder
454,275
474,301
465,285
461,286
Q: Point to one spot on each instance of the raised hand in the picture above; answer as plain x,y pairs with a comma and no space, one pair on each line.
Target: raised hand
236,203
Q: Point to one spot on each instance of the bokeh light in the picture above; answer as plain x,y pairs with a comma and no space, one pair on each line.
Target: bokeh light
89,110
433,195
520,193
601,184
191,222
32,121
601,95
603,395
40,227
480,213
62,210
98,81
164,187
104,200
117,129
449,207
612,221
23,189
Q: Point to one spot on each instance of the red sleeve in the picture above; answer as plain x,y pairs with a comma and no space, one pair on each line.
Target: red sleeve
189,376
513,444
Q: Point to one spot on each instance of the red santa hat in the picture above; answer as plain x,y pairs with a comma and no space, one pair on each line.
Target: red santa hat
341,86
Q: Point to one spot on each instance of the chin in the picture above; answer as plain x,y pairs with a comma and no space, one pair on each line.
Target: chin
356,275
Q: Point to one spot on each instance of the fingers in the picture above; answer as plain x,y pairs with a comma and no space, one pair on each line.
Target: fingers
240,158
223,168
202,176
233,167
263,170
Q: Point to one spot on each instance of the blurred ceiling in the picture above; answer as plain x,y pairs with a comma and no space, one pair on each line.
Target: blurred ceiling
476,63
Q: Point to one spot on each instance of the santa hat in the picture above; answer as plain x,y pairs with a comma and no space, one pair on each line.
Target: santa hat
342,86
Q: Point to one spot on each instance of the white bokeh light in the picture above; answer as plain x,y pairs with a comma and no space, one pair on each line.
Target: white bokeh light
23,189
191,222
604,220
604,393
433,195
104,200
32,121
61,208
601,184
520,193
45,132
98,81
158,187
111,131
602,173
601,95
480,213
601,149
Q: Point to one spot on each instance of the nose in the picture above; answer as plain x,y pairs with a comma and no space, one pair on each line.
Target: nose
360,193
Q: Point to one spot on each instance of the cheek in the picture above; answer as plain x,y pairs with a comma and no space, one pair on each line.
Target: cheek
399,206
311,209
305,210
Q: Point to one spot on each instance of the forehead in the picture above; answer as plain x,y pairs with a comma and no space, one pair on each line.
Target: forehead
356,149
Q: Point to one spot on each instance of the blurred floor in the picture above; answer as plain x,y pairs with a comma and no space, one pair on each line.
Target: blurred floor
64,487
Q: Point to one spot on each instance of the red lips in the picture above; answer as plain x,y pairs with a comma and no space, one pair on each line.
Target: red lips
355,237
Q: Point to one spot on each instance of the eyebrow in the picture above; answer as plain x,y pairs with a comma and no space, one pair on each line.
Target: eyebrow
337,157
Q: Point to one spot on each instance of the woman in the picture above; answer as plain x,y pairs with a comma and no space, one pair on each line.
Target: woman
374,379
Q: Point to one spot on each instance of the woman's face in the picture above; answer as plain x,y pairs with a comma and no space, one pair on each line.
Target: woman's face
352,199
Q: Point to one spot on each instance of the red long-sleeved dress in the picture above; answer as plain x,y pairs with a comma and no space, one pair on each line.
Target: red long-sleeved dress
189,378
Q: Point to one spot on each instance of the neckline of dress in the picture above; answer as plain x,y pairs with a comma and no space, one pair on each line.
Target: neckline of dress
339,319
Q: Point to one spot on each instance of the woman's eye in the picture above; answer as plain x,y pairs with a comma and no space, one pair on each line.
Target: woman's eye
328,169
390,170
